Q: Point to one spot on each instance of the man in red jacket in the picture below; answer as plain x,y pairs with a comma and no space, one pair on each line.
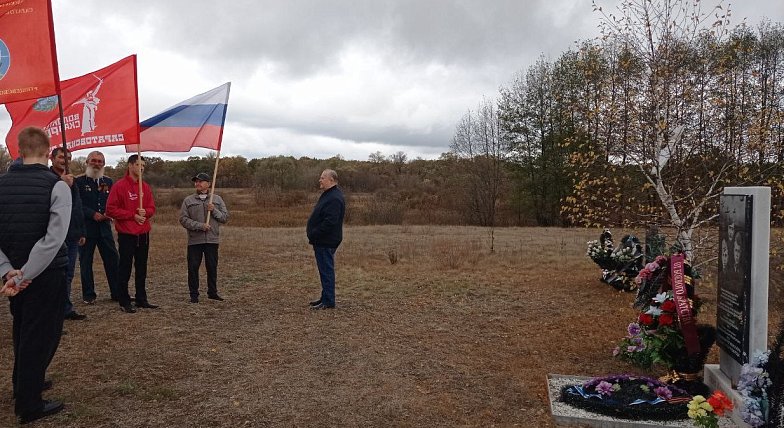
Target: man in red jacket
132,223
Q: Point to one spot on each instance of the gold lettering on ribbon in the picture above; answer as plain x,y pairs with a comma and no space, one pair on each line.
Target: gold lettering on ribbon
688,326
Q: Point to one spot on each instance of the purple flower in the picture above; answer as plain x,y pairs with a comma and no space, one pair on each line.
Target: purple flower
631,348
663,392
604,388
616,351
633,329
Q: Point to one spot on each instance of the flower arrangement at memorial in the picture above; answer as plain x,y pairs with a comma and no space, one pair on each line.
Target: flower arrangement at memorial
629,397
753,387
619,265
705,413
656,337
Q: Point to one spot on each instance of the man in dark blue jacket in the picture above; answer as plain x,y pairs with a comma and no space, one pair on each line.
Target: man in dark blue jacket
325,233
60,158
94,190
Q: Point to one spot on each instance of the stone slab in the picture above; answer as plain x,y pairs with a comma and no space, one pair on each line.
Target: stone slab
565,415
716,379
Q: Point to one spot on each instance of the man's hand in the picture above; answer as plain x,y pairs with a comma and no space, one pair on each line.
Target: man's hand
10,288
206,227
141,211
68,178
210,206
99,217
82,240
139,218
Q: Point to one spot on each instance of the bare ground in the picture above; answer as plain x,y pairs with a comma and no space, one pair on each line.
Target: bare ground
449,335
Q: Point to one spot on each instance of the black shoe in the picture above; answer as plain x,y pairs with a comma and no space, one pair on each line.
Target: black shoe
215,297
89,301
194,300
147,305
315,302
322,306
128,309
76,316
48,408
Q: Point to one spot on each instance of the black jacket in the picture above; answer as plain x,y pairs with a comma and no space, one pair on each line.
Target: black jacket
325,225
26,192
76,227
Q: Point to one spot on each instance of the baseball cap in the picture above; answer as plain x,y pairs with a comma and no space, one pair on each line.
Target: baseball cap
202,176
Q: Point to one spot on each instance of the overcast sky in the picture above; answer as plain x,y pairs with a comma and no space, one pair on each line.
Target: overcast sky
324,77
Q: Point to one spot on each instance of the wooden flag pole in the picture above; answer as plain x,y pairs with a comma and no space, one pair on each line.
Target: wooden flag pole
217,157
62,128
141,172
212,185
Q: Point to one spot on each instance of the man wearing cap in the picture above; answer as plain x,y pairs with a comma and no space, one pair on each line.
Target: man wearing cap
203,234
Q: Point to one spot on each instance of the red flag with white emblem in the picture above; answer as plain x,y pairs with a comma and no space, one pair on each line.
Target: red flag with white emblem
100,109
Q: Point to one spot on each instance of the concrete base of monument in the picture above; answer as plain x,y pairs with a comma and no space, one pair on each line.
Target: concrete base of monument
716,379
565,415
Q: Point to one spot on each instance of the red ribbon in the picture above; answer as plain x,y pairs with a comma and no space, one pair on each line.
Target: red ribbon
688,325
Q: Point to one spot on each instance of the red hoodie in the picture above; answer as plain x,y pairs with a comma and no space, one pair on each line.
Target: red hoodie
124,201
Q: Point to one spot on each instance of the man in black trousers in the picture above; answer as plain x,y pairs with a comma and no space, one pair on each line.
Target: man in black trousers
325,233
61,157
34,217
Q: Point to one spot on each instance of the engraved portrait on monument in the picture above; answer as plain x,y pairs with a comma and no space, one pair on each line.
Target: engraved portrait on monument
734,275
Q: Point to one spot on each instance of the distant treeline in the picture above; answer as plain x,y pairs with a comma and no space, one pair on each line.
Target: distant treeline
573,141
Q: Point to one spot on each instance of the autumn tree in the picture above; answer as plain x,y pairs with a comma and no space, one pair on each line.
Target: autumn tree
661,141
478,145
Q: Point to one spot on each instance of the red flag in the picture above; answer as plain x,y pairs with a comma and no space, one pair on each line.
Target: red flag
28,59
100,108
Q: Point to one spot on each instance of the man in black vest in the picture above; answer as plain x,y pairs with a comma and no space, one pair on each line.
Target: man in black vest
34,219
325,233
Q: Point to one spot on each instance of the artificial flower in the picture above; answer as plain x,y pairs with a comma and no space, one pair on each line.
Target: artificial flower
633,329
668,306
666,320
646,319
663,392
660,298
604,388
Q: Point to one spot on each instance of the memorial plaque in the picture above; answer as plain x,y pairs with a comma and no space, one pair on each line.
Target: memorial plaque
732,317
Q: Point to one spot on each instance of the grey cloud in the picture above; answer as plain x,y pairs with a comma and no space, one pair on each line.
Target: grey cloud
304,35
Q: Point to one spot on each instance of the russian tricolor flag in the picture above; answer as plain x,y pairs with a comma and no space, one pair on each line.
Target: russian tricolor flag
196,122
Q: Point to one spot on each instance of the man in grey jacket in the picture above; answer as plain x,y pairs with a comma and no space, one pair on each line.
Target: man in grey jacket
203,234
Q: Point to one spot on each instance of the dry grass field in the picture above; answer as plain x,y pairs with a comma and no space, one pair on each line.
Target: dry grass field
448,335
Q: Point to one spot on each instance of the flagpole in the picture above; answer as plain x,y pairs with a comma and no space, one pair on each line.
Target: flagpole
212,185
62,128
141,172
217,157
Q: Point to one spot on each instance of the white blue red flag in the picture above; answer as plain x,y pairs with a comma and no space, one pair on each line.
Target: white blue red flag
196,122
